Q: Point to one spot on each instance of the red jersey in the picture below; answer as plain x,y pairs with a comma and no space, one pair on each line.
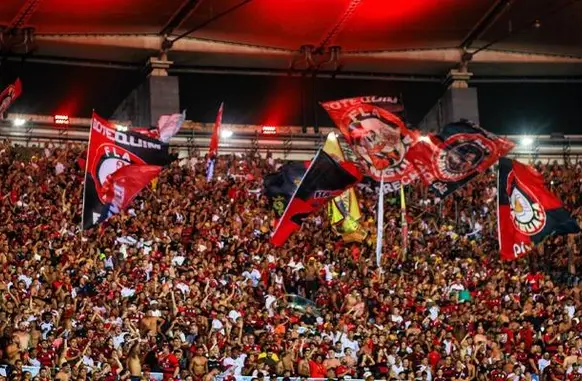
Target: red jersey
168,364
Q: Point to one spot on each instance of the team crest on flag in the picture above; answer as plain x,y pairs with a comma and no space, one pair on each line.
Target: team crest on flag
462,154
527,212
119,164
377,136
452,158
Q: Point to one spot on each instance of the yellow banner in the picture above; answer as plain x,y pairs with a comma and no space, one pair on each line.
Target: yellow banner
344,210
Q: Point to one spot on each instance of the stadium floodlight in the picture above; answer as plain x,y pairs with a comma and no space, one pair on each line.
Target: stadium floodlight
225,134
120,127
18,122
526,141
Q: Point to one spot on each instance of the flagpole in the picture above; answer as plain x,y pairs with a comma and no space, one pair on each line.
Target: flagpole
86,169
404,223
380,227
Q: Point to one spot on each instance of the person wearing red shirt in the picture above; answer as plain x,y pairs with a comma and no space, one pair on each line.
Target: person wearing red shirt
498,375
316,368
45,354
526,334
168,362
534,280
434,357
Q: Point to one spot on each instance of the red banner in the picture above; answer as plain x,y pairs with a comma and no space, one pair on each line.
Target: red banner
377,137
213,149
527,211
122,186
109,151
9,95
452,158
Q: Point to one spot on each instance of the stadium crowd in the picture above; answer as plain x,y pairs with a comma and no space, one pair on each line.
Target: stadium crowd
185,283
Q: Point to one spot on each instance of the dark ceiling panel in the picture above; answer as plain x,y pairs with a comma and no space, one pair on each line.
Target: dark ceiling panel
102,16
75,91
559,30
284,24
410,24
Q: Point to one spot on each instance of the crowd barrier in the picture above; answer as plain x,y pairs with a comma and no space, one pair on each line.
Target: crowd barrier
34,370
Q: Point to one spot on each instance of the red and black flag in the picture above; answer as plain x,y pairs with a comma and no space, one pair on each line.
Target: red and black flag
377,136
9,95
324,179
107,189
214,141
527,212
452,158
280,186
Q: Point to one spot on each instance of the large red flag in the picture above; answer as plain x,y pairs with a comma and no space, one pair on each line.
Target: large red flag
9,95
527,212
377,136
110,150
123,185
324,179
450,159
214,140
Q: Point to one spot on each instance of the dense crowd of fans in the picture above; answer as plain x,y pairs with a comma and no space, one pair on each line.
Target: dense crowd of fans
185,283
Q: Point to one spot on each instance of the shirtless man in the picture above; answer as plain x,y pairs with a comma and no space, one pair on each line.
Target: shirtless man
134,363
22,335
149,323
286,364
331,362
199,364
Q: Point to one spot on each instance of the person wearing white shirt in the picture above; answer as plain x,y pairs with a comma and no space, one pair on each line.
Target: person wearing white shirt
235,362
234,315
217,325
397,368
570,309
349,342
544,362
254,276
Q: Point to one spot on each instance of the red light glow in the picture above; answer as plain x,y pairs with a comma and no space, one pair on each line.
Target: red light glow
61,119
269,130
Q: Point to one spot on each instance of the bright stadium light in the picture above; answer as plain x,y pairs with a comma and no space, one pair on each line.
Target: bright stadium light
18,122
225,134
526,141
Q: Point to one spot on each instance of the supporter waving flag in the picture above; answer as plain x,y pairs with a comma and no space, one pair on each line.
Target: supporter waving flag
324,179
214,141
527,212
108,189
377,136
452,158
9,95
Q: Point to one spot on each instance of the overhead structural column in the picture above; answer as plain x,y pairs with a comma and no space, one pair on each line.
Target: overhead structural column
458,102
157,95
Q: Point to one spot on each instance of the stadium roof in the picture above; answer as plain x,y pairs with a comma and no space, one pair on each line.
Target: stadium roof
417,37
